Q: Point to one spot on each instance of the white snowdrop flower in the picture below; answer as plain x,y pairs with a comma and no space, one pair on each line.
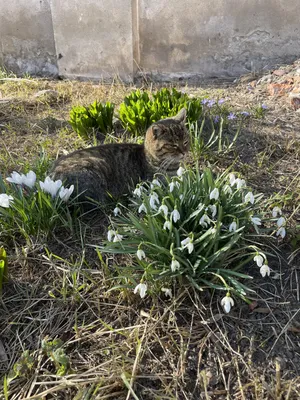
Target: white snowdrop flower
181,197
164,209
29,179
142,208
155,182
5,200
180,172
227,189
171,186
281,221
276,210
65,193
281,232
213,210
118,238
167,225
110,234
204,220
50,186
232,179
175,265
167,292
232,226
240,183
117,211
187,243
227,302
249,198
141,288
214,194
138,191
265,270
175,215
153,199
255,220
140,254
259,259
15,177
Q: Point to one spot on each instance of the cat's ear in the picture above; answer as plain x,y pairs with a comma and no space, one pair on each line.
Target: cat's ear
181,116
155,131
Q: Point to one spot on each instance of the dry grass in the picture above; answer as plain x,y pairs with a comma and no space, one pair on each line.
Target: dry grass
118,346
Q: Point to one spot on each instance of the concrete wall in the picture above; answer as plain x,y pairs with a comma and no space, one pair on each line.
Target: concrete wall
168,39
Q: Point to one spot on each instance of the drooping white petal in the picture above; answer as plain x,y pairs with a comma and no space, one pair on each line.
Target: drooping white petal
213,209
276,210
281,222
265,270
204,220
281,232
138,191
156,182
142,208
167,225
167,292
180,172
240,183
232,226
227,302
118,238
214,194
117,211
259,259
255,220
110,234
140,254
65,193
175,265
141,288
249,198
175,215
164,209
231,179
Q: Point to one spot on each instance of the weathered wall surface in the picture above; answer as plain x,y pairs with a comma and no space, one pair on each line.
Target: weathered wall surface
26,37
179,39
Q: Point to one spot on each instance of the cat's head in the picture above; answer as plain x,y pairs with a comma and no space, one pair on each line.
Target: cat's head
167,142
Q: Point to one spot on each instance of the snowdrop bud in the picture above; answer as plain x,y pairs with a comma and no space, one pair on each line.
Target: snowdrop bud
155,182
167,225
281,221
140,254
249,198
137,191
180,172
281,232
214,194
142,208
227,302
175,265
117,211
265,270
259,260
110,235
175,215
276,210
164,209
232,226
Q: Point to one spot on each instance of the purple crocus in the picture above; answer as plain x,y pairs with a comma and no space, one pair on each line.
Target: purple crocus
231,116
204,101
221,101
211,103
216,119
245,113
264,106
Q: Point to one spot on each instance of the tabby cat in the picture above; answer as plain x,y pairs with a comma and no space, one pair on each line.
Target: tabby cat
109,171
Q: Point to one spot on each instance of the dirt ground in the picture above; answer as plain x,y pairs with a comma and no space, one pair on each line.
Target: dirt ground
126,348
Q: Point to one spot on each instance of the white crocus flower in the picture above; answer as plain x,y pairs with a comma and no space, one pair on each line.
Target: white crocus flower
5,200
276,210
167,292
227,189
117,211
164,209
249,198
110,234
140,254
213,210
65,193
281,232
15,177
214,194
232,226
187,243
167,225
175,265
240,183
281,222
29,179
50,186
142,207
141,288
138,191
232,179
259,259
180,172
204,220
118,238
265,270
175,215
153,199
255,220
227,302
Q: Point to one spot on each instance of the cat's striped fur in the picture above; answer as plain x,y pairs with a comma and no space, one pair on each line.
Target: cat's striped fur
111,170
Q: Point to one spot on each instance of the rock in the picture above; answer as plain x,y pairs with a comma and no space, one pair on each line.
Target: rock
278,72
47,95
279,89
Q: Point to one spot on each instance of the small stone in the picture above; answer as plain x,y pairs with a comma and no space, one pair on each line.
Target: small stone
47,95
279,89
278,72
